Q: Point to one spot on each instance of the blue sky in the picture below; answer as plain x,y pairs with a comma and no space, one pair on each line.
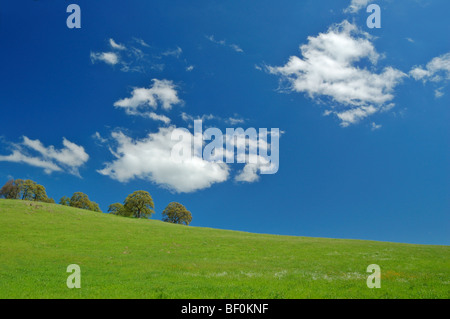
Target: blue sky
364,113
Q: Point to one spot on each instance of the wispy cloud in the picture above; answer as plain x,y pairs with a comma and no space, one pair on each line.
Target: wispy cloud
138,56
356,5
375,126
175,52
233,46
232,120
141,42
69,158
115,45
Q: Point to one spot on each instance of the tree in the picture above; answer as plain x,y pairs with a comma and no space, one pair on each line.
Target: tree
65,201
10,190
118,209
39,193
139,204
81,200
115,208
176,213
27,189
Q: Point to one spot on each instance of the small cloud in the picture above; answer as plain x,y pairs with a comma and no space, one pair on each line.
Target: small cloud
175,53
233,46
161,93
141,42
236,48
356,5
189,68
438,93
115,45
99,138
438,69
234,121
410,40
107,57
159,117
375,126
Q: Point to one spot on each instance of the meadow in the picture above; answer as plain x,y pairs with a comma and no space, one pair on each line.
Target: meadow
124,257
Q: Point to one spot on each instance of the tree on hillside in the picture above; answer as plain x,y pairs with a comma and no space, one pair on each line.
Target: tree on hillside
39,193
139,204
118,209
10,190
26,190
176,213
65,201
81,200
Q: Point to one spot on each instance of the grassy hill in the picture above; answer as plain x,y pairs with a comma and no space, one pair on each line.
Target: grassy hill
129,258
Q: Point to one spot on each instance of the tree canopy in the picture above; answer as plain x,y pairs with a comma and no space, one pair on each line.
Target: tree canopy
81,200
25,190
139,204
118,209
176,213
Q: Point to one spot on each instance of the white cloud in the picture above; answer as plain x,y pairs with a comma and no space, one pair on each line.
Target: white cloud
141,42
438,69
438,93
162,93
150,159
18,157
375,126
99,138
116,45
189,68
357,5
234,120
233,46
328,70
236,48
159,117
107,57
175,53
69,158
248,174
189,118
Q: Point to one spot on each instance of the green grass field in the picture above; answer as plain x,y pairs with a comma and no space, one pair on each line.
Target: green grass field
130,258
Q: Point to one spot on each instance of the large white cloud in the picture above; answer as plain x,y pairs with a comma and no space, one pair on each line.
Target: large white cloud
69,158
328,68
150,158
